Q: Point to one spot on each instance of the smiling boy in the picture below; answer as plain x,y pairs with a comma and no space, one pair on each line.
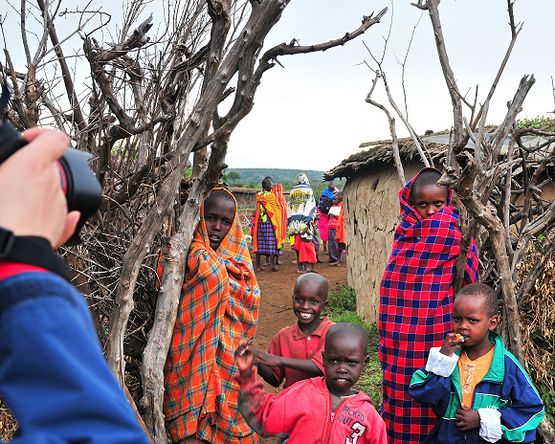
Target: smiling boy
476,387
321,409
295,352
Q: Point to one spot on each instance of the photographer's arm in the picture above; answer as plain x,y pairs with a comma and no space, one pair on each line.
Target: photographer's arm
53,374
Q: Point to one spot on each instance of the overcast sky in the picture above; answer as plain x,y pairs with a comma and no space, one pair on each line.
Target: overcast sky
311,113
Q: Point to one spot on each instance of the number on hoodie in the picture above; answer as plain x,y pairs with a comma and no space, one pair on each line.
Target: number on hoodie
358,430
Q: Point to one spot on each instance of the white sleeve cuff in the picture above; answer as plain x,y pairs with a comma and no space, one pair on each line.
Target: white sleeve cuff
490,424
440,364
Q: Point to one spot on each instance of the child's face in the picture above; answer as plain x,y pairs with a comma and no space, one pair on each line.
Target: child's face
218,217
308,303
472,320
344,359
429,199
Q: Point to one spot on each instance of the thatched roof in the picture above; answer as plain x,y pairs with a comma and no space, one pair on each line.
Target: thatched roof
436,144
380,152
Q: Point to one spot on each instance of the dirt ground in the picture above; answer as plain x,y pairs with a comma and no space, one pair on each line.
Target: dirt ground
276,289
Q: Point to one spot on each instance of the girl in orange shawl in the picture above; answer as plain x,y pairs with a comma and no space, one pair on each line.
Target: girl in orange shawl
218,311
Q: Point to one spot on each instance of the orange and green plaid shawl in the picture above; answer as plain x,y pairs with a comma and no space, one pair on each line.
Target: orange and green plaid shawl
218,310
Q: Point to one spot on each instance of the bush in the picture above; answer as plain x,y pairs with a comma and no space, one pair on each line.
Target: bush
543,123
342,299
548,398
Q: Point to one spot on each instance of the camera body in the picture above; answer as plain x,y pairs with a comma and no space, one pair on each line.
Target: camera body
82,189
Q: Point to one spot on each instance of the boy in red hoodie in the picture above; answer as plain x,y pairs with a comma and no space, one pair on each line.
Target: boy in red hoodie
324,409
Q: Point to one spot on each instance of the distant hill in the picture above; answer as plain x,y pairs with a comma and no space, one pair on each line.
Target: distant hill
254,176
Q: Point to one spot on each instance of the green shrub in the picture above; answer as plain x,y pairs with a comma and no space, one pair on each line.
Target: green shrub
342,299
548,398
543,123
370,381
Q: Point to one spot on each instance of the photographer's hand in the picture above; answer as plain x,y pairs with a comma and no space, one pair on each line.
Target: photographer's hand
32,202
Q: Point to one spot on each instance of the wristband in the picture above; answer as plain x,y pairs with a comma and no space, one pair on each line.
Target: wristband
32,250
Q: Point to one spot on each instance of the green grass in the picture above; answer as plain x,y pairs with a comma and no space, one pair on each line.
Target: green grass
342,308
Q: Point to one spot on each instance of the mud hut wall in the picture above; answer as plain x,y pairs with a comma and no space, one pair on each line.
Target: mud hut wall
246,200
371,216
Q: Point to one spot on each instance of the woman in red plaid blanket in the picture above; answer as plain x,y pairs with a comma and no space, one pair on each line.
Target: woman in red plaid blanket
416,298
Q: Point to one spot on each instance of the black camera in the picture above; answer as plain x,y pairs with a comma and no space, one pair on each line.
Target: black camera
82,190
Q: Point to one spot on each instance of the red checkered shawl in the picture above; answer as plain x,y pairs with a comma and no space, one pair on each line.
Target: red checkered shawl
218,310
416,300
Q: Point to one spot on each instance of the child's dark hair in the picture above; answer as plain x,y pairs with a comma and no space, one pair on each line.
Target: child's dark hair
267,182
484,291
350,330
219,193
321,281
428,176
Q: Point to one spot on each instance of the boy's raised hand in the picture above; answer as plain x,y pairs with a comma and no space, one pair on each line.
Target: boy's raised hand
244,359
467,419
451,343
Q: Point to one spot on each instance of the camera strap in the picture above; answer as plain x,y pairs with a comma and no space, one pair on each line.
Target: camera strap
32,250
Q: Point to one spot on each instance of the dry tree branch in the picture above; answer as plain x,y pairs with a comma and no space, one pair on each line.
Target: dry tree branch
394,138
473,184
261,20
507,200
404,64
515,30
416,140
43,42
292,48
404,117
268,60
23,29
459,135
378,73
68,82
501,132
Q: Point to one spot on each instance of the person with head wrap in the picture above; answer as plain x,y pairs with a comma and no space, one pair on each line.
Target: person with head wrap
301,210
217,311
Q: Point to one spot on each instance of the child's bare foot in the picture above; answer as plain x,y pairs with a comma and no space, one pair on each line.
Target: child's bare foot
275,268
